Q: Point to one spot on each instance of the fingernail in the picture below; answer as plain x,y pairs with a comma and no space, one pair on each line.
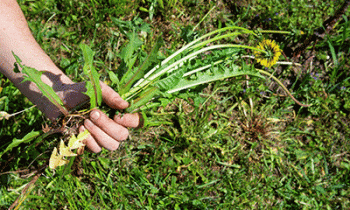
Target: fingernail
95,115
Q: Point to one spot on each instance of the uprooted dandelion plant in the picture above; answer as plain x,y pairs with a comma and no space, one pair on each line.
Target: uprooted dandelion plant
201,61
206,59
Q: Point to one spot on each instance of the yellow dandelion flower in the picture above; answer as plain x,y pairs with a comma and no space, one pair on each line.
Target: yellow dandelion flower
271,54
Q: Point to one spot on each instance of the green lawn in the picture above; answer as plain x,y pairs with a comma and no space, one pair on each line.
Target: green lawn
232,144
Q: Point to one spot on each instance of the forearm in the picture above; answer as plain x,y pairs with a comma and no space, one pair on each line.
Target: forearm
16,37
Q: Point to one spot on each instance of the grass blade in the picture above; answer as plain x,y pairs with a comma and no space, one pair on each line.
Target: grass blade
334,56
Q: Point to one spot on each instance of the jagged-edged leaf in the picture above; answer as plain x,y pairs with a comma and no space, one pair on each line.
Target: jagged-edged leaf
56,160
129,71
90,91
26,139
34,75
113,77
170,81
216,74
66,151
94,77
152,57
77,142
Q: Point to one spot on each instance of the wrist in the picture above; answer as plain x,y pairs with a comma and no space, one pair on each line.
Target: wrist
71,95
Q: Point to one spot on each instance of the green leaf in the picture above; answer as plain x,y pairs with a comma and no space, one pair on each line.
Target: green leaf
133,75
134,44
93,86
90,91
128,74
217,73
34,75
152,57
26,139
170,81
113,77
345,29
154,75
334,56
145,97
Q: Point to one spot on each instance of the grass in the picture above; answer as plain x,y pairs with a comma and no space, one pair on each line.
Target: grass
236,145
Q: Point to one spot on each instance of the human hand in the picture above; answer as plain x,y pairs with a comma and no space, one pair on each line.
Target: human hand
17,38
104,131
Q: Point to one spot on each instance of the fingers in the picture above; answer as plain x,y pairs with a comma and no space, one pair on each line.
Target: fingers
101,138
128,120
112,98
90,142
106,132
113,129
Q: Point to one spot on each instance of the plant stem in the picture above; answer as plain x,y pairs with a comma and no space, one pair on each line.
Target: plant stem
274,32
284,88
215,39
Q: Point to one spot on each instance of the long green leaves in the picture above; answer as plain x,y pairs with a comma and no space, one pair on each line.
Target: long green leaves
169,75
168,69
34,75
189,46
173,74
145,97
217,73
93,84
